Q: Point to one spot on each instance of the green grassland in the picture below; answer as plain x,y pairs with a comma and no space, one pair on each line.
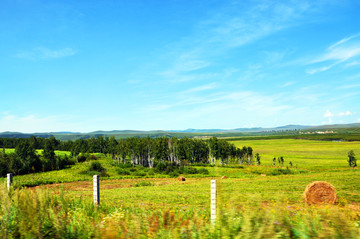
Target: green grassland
307,154
253,202
39,151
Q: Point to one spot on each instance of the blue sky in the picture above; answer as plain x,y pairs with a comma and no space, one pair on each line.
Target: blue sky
138,64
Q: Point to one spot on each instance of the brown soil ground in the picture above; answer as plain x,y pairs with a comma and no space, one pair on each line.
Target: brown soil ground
115,183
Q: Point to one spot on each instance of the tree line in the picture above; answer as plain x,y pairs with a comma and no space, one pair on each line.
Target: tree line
137,151
25,159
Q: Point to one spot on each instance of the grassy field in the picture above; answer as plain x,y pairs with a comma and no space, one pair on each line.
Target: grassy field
256,207
39,151
250,205
307,154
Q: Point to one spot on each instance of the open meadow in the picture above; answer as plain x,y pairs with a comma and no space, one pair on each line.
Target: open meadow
253,202
307,154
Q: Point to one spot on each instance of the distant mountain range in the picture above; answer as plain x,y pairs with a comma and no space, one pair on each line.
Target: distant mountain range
274,129
65,135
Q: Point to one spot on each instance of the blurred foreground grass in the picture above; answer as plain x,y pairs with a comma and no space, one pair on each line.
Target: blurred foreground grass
54,213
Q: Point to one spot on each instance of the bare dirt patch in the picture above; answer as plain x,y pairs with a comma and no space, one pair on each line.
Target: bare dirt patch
114,184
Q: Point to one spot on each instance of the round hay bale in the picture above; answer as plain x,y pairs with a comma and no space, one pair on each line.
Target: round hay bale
320,192
181,178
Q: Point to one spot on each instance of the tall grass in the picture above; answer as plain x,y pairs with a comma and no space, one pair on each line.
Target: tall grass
26,213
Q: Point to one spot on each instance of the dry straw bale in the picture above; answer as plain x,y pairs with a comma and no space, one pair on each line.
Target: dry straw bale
320,192
181,178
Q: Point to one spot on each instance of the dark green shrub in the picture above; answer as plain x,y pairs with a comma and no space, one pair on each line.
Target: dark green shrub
174,174
139,173
96,166
143,184
203,171
126,165
160,167
280,171
202,165
122,171
168,169
3,167
258,172
189,170
81,158
96,169
65,161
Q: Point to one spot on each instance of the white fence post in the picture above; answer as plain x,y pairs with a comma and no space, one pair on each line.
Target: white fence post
9,180
96,190
213,201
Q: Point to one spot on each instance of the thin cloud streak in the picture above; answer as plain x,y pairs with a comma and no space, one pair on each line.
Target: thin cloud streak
216,36
210,86
342,41
287,84
259,21
43,53
338,53
34,123
245,100
349,86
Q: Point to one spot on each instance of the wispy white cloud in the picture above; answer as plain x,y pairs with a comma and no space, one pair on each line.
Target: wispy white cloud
331,116
287,84
262,19
338,53
235,109
330,121
341,54
231,27
43,53
201,88
349,86
246,101
321,69
133,81
355,77
24,124
346,113
309,95
274,57
342,41
353,63
328,114
189,62
33,123
176,77
183,100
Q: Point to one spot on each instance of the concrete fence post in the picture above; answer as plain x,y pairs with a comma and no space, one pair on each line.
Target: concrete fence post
213,201
9,180
96,190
